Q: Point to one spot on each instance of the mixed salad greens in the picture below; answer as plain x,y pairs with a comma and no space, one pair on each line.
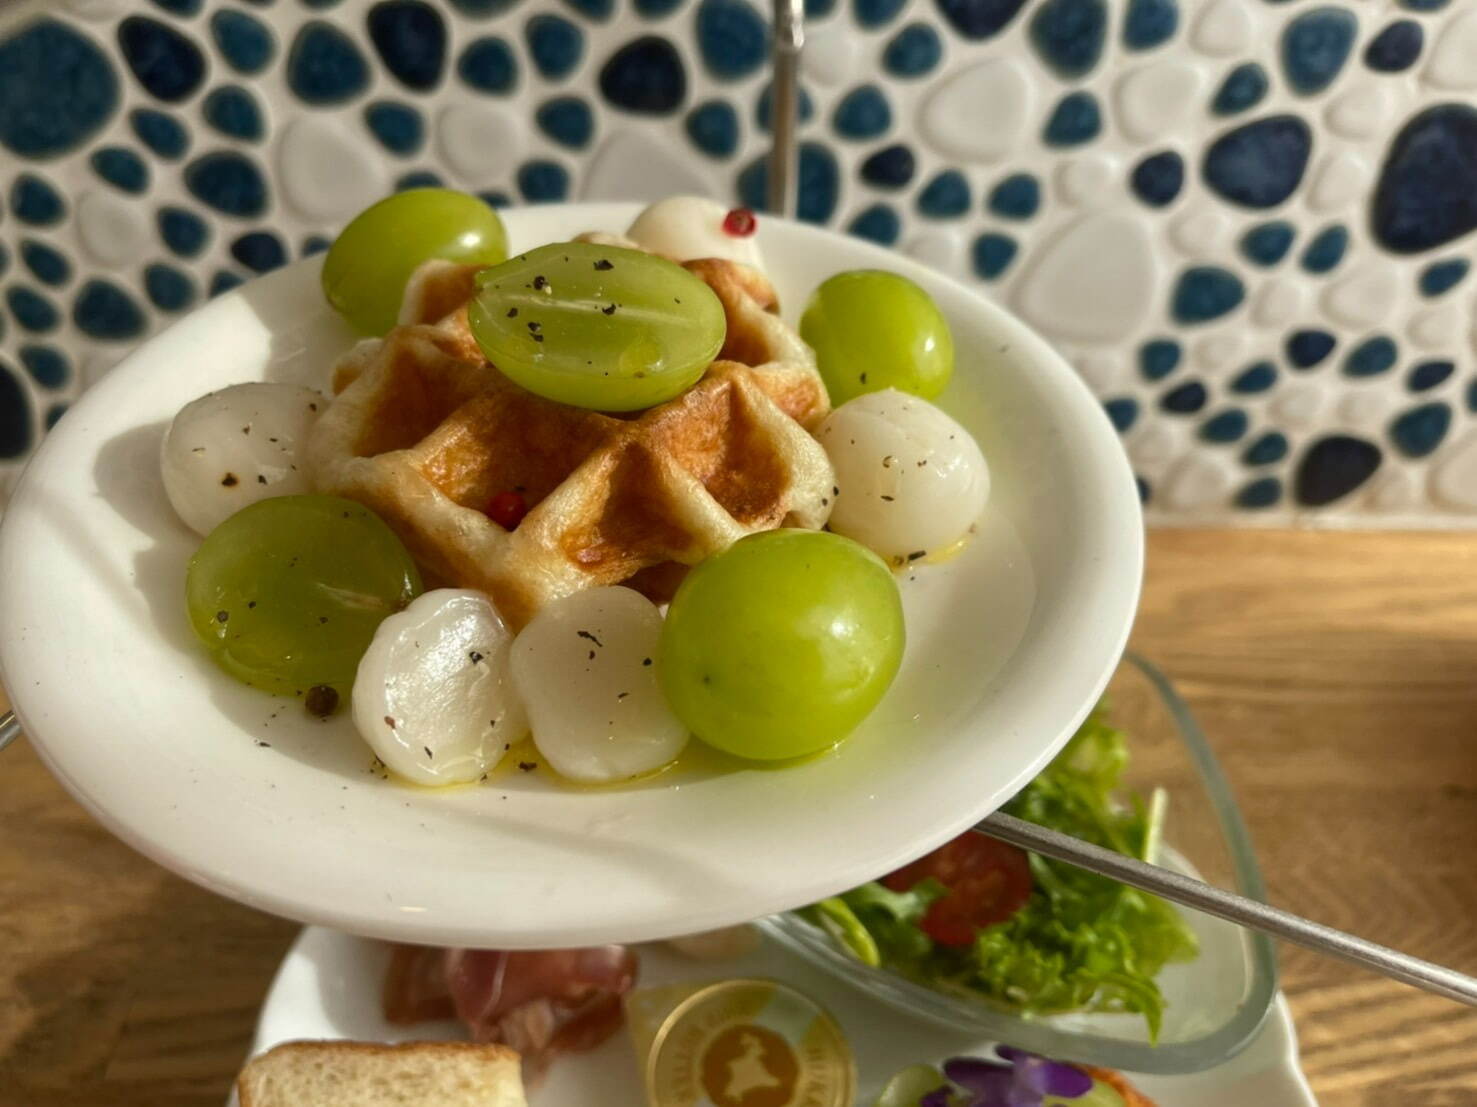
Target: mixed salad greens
983,919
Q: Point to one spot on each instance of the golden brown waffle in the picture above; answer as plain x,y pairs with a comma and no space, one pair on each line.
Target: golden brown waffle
426,433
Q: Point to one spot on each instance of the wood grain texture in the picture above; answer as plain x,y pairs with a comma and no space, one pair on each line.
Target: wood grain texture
1336,675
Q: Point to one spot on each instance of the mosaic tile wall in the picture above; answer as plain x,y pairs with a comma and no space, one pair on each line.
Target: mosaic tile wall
1247,224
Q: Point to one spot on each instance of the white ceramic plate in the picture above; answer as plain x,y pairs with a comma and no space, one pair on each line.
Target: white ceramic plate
329,987
1010,645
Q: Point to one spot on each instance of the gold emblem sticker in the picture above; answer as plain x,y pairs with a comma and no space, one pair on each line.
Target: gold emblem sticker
749,1043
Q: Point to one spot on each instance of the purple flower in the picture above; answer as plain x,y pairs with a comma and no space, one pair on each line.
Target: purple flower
1021,1082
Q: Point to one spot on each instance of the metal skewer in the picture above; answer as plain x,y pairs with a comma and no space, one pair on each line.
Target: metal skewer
789,37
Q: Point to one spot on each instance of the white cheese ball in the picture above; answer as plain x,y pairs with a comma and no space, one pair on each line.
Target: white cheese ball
433,696
231,448
911,480
690,227
585,669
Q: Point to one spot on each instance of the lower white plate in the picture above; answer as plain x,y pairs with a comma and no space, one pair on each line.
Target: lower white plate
329,987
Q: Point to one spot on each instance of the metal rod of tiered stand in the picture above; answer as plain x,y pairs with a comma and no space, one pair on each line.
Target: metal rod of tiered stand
789,37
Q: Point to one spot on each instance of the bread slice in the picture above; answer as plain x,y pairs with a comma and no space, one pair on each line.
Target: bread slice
367,1074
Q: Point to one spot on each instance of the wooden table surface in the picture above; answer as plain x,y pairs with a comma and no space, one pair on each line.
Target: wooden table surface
1336,675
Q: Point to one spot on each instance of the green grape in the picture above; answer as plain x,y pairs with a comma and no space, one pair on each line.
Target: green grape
286,594
599,327
368,265
779,646
910,1085
872,330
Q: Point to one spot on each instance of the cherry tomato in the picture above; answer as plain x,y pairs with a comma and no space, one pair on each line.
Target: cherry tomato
507,509
988,882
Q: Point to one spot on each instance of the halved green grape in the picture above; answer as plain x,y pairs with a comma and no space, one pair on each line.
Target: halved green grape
599,327
368,265
286,594
871,329
779,646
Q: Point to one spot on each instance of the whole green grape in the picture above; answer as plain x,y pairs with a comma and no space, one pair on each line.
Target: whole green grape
368,265
287,593
780,645
872,330
599,327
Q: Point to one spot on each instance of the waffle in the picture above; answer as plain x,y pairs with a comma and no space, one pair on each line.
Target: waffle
426,432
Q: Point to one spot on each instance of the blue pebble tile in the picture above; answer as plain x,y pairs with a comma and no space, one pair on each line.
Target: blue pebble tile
1417,432
223,281
818,184
316,5
992,254
1334,466
496,198
1158,358
1243,88
418,178
234,112
945,196
1308,348
1146,491
1262,492
890,167
54,414
33,200
324,67
872,14
399,127
713,128
1429,374
814,9
1069,35
1424,5
259,251
1150,23
1123,412
1205,292
567,120
410,38
913,51
32,311
1158,178
16,432
4,265
732,38
543,182
1427,191
104,311
977,20
597,10
878,223
1371,357
1472,395
1396,48
645,76
1225,426
184,232
1267,243
315,244
168,288
1326,249
488,65
121,168
657,9
862,113
57,89
1441,276
484,9
48,366
166,62
246,44
1075,119
180,7
1016,197
1259,164
1257,377
1184,399
161,133
229,182
1266,449
47,264
1315,46
764,107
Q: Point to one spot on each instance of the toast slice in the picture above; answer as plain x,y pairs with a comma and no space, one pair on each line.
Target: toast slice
368,1074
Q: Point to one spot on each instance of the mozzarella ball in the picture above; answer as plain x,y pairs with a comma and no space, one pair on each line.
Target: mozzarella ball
911,480
433,696
690,227
584,667
231,448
